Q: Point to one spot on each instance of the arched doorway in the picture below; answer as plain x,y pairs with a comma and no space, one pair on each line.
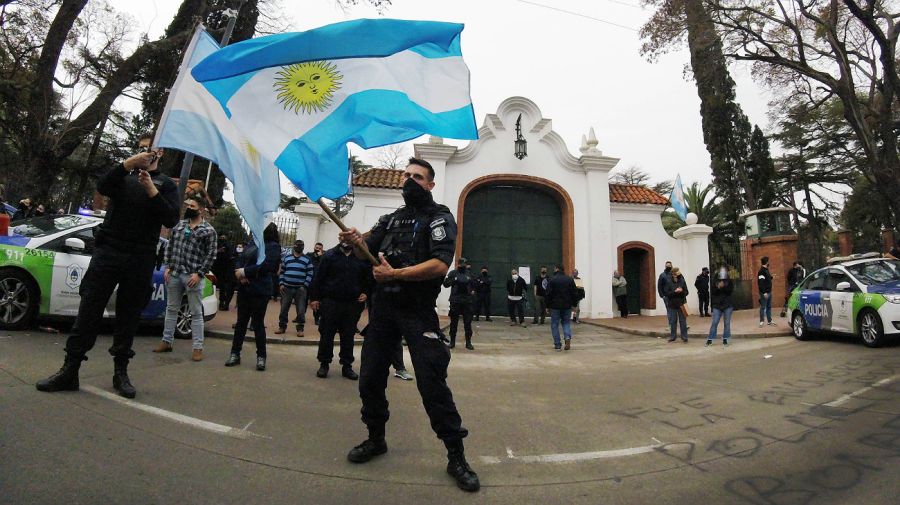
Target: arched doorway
636,261
508,222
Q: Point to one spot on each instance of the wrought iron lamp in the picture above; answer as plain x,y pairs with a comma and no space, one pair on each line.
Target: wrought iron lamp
521,143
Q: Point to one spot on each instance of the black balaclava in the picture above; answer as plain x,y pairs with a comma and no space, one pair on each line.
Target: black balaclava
415,195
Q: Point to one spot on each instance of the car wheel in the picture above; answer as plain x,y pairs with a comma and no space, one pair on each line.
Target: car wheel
870,329
798,325
183,322
19,299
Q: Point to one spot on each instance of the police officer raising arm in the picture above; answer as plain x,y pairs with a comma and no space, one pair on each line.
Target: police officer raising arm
141,200
415,247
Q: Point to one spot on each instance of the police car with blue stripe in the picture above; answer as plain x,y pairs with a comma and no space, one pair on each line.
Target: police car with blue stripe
854,295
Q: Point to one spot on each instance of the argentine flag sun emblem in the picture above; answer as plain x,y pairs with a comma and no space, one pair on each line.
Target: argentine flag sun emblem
307,87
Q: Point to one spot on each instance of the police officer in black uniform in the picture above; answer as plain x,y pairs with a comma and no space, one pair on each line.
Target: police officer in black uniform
415,245
462,296
141,200
483,294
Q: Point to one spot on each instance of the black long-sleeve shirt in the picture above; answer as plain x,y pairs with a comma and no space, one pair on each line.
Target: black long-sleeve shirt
133,219
341,277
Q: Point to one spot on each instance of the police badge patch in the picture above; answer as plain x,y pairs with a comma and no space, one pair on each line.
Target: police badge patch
438,233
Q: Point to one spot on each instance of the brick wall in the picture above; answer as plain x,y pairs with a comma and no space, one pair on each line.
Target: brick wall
782,253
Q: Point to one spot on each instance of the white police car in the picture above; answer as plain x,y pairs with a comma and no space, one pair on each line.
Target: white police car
43,261
857,295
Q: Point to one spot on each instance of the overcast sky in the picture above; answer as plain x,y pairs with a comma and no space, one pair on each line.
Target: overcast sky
581,72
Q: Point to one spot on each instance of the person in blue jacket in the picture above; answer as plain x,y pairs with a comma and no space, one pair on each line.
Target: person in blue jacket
254,289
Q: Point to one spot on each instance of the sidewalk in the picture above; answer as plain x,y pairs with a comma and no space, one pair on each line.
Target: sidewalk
220,327
744,324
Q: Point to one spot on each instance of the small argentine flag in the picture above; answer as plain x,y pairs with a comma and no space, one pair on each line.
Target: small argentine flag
193,121
677,199
300,97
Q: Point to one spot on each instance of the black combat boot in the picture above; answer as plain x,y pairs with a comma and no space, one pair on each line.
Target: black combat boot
66,379
452,341
121,382
367,450
459,468
469,345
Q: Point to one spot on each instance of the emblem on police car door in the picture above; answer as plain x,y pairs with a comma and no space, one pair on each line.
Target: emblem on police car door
73,276
438,233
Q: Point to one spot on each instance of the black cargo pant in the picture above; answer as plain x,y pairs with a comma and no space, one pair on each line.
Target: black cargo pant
458,309
704,302
338,316
483,305
133,273
430,357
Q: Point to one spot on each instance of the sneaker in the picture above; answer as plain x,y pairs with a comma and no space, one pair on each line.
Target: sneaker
761,324
725,342
280,330
708,343
163,347
367,450
323,371
558,349
403,374
771,323
299,333
233,360
261,363
669,341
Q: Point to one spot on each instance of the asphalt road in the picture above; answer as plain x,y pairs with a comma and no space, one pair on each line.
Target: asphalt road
618,419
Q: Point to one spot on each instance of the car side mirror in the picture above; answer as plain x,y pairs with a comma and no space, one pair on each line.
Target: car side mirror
75,244
843,286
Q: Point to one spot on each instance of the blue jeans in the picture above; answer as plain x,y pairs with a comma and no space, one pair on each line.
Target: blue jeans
557,316
714,328
765,307
176,289
675,317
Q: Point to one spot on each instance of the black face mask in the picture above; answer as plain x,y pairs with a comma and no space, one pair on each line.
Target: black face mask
191,213
298,250
415,195
484,272
668,269
346,247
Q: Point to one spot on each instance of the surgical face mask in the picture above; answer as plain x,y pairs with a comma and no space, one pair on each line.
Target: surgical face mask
190,213
723,274
415,195
240,248
515,277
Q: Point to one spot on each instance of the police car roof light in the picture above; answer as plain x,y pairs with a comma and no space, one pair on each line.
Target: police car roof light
853,257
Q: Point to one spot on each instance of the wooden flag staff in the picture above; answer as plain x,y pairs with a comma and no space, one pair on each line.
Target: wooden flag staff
334,217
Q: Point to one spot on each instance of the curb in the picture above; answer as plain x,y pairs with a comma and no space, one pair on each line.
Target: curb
656,333
222,335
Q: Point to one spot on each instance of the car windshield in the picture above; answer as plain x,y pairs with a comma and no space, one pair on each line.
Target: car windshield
876,272
48,225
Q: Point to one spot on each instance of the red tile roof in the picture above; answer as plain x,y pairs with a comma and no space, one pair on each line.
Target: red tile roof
627,193
389,178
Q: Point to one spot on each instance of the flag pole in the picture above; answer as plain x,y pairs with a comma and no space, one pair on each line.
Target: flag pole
189,157
334,217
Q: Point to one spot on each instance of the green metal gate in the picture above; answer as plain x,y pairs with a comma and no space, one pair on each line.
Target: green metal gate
632,260
508,227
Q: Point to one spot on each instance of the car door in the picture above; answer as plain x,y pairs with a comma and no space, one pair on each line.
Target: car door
840,302
811,303
69,267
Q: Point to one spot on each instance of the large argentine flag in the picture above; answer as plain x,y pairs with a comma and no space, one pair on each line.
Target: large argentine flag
300,97
677,199
193,121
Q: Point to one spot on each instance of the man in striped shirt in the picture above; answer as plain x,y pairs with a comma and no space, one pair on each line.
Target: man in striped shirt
295,276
